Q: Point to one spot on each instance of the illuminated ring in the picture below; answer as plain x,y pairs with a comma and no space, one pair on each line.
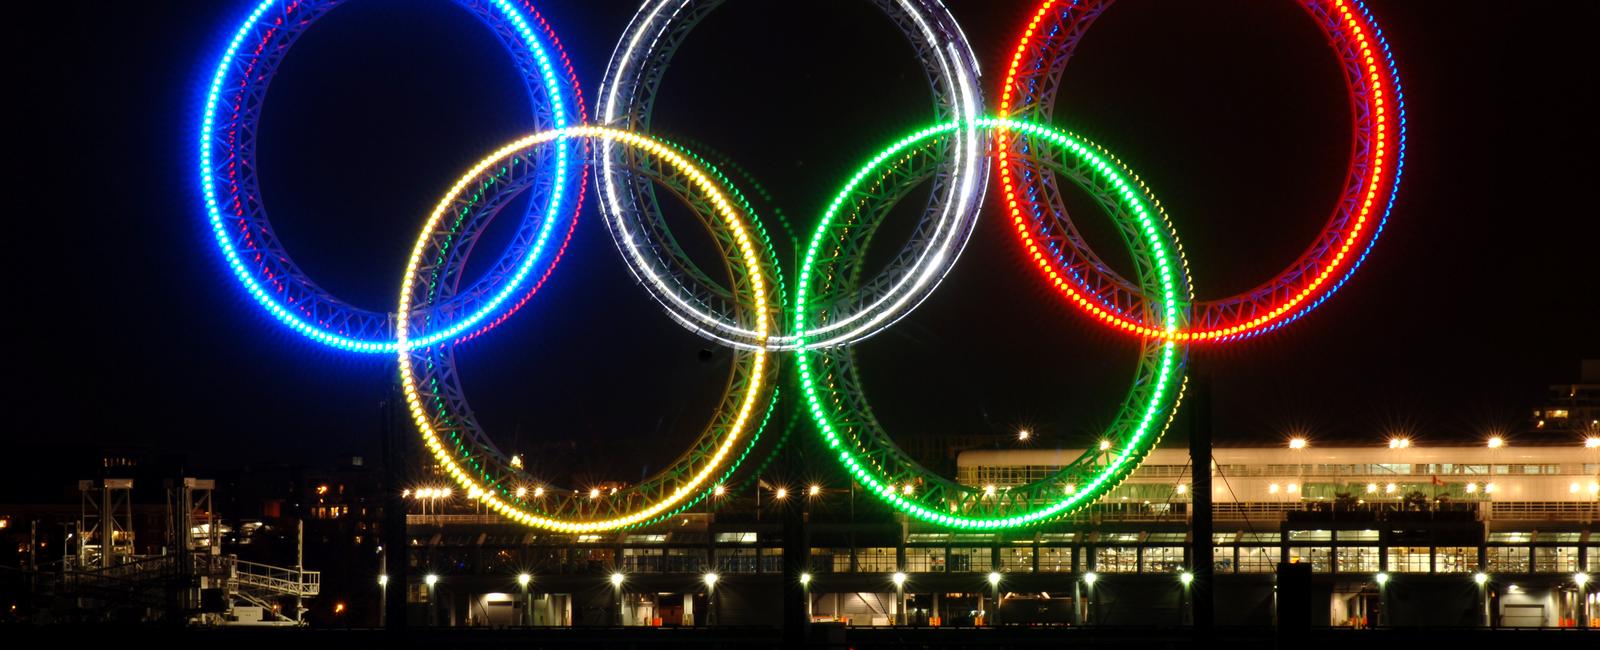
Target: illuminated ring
845,420
1378,154
431,384
238,218
636,223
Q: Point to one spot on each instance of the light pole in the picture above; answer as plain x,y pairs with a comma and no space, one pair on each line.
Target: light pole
1482,579
527,602
383,589
1088,602
899,579
616,583
432,580
1582,580
1186,578
805,588
1382,578
711,599
994,585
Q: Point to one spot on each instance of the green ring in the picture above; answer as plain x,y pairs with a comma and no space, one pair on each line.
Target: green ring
1145,414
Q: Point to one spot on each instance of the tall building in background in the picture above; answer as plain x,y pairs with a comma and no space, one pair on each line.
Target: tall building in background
1573,408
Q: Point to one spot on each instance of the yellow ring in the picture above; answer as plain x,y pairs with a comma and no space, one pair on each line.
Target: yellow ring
748,413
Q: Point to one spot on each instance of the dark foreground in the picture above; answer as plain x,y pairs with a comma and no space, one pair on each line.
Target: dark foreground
820,637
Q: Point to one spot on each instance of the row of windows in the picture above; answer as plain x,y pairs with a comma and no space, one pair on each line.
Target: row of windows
1019,474
1106,559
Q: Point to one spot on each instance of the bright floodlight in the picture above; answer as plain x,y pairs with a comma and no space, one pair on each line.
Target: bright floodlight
1496,442
1297,443
1580,578
1024,434
719,490
616,579
1480,577
383,580
814,490
522,492
782,493
1105,444
1090,577
994,578
431,579
805,579
1592,442
1185,578
1399,442
1382,578
523,579
711,579
899,579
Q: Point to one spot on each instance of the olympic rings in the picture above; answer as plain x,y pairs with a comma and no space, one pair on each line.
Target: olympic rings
843,417
635,221
1378,153
238,219
452,434
834,307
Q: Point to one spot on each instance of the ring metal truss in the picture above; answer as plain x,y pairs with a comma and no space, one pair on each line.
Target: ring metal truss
432,387
637,226
832,268
239,220
1377,155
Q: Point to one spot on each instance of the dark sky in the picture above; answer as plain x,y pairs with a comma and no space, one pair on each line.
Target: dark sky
1482,291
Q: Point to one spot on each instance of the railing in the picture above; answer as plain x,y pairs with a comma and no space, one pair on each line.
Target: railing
454,520
278,580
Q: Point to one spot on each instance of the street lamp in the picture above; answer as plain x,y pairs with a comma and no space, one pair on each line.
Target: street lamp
805,588
1399,442
1088,599
1023,435
814,490
616,583
527,604
1297,443
1496,442
1582,580
711,598
1381,578
994,584
1482,579
899,580
431,580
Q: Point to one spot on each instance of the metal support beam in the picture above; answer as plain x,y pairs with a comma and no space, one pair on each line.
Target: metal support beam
1201,560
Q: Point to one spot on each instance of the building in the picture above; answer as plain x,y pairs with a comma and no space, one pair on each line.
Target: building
1572,408
1395,535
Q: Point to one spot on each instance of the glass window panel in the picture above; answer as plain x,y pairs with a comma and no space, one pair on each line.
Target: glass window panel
1016,559
1320,557
1222,559
1116,559
1055,559
1163,559
830,560
1508,559
1409,559
1358,559
1258,559
877,560
1555,559
1456,559
971,559
925,560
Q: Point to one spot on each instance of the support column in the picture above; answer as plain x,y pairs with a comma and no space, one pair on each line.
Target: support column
1201,560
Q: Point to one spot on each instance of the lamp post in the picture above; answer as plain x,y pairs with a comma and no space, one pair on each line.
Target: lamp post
383,590
432,580
899,579
616,583
527,603
1581,579
805,588
1088,604
994,585
711,599
1185,578
1482,579
1382,578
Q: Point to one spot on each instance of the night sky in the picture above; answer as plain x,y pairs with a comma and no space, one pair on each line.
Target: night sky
130,332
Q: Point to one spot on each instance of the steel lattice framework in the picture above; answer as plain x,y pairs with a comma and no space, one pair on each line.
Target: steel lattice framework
1377,153
634,217
239,216
829,378
433,386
